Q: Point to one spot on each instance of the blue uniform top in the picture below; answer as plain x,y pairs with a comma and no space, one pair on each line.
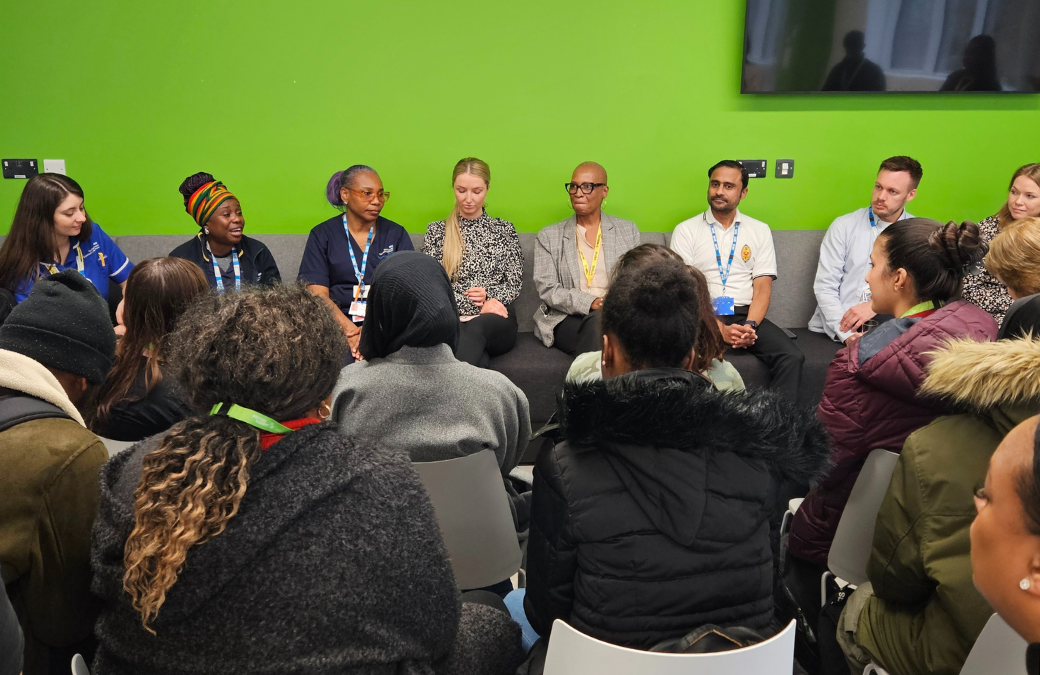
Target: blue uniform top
102,260
326,260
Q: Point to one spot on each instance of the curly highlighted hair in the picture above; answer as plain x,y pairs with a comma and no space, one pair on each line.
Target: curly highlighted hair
277,351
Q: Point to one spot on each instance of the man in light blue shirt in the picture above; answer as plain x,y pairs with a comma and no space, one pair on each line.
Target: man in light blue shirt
842,293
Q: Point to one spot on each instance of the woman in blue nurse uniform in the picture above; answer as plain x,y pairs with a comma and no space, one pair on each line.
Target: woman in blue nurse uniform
343,252
51,232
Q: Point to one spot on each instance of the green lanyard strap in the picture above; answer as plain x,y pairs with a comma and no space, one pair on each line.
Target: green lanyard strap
250,417
917,309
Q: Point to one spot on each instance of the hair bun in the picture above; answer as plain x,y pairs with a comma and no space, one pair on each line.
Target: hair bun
194,182
960,246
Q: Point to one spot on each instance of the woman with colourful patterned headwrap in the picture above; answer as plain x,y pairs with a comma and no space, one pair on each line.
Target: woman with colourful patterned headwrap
228,258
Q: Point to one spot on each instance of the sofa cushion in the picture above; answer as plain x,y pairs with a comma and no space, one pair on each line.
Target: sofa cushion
538,370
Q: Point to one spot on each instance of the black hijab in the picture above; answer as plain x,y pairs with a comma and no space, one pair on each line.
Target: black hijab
411,304
1022,318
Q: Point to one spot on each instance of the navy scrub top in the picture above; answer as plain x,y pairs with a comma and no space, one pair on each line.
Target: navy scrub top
326,260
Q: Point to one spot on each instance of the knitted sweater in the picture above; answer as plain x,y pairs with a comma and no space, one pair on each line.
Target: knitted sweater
331,565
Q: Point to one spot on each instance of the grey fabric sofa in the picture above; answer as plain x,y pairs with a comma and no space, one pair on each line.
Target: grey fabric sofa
540,371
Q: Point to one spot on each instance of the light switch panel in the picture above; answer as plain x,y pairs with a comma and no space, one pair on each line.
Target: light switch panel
54,166
785,168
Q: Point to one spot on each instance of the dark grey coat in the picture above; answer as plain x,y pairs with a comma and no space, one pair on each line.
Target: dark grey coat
333,564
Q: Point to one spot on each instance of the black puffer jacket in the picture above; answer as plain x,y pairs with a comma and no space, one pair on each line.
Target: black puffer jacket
651,518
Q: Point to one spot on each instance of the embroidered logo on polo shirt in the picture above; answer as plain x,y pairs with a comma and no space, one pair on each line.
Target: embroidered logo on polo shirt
745,253
386,251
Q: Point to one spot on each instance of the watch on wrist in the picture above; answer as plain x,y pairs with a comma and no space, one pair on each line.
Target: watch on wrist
753,324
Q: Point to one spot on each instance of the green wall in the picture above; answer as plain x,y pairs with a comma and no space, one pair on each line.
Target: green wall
272,97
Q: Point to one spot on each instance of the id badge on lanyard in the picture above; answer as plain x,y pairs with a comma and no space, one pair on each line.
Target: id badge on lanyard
218,275
80,267
724,304
360,302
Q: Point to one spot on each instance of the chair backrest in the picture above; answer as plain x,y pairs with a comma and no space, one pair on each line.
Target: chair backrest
79,666
469,497
999,649
854,537
115,447
574,653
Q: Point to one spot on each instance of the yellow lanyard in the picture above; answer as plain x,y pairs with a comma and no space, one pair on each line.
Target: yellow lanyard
53,269
589,276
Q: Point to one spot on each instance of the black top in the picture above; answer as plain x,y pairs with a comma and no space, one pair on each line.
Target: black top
137,416
11,642
1033,659
652,518
255,260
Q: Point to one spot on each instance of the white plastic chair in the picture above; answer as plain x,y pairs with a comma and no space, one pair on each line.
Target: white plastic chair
574,653
473,513
854,537
79,665
998,651
115,447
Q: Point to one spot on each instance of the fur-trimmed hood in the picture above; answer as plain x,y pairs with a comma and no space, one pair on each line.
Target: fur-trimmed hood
657,427
981,376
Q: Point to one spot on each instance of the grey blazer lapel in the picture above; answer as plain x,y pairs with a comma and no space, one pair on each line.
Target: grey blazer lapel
609,241
569,241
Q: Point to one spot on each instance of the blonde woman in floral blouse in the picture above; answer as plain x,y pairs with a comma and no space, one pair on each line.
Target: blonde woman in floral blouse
482,257
983,289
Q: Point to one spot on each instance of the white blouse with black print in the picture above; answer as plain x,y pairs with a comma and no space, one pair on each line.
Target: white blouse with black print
491,259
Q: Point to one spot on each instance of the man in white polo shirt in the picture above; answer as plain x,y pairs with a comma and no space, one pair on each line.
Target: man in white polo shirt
842,293
736,255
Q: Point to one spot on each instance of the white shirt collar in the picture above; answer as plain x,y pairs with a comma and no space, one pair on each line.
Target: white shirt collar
710,219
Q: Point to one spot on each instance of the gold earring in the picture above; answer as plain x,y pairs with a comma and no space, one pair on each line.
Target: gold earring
327,408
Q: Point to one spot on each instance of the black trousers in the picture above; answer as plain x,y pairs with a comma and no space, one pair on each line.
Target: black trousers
486,336
579,334
780,354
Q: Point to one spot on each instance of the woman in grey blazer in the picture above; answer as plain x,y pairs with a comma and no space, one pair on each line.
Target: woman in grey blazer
572,263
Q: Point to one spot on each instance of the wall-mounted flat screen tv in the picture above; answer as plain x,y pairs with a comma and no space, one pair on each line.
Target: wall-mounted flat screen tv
870,46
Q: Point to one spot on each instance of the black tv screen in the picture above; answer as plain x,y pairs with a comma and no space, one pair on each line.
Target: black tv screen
870,46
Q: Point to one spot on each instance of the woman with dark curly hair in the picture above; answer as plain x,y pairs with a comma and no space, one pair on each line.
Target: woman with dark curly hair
710,346
252,537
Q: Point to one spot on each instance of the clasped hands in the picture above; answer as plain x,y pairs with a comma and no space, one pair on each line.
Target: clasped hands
478,296
738,335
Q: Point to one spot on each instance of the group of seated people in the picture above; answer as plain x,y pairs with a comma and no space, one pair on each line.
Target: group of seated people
269,518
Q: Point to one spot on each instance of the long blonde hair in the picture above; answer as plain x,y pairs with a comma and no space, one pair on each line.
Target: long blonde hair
451,256
1031,171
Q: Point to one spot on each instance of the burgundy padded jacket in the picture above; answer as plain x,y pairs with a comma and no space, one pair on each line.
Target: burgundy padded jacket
873,405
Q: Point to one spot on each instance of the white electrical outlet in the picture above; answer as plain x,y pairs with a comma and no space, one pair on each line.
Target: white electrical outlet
54,166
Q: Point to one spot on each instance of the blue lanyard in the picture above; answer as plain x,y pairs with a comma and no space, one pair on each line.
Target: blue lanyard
724,277
359,273
219,276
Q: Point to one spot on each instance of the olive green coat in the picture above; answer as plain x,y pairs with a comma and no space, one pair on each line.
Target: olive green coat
926,613
48,499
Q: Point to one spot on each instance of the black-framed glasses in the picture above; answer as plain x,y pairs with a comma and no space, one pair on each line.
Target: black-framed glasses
586,188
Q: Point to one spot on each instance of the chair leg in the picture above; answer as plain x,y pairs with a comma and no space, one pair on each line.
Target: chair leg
823,587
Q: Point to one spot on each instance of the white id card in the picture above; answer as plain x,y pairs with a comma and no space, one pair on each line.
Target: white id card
357,310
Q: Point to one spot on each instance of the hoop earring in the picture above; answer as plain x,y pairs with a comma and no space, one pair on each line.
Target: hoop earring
1024,584
328,411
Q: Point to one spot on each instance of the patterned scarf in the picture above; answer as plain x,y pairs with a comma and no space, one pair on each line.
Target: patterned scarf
204,202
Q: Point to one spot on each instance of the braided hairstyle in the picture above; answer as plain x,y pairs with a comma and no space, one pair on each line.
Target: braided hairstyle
935,256
276,350
193,182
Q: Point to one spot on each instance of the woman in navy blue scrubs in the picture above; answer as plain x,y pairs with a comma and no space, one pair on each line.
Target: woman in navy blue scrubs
343,252
51,232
